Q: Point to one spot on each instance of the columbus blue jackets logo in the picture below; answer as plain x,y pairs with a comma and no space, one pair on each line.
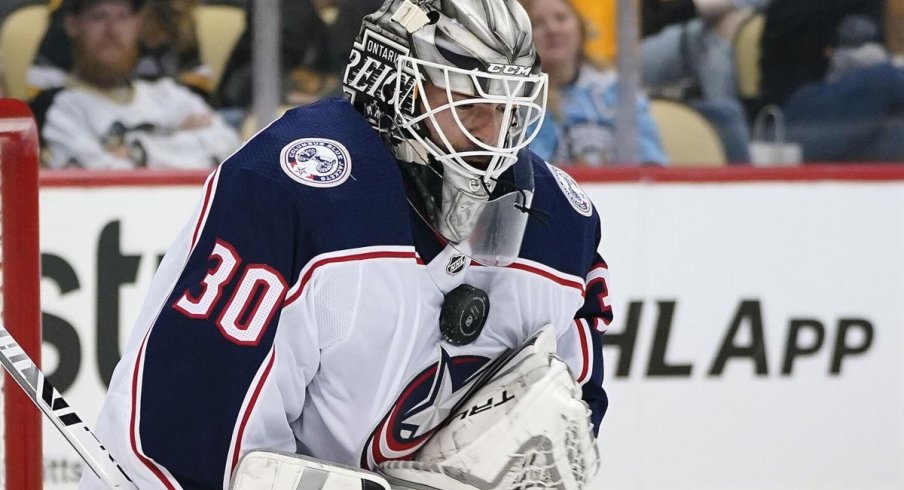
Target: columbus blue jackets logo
576,196
422,407
316,162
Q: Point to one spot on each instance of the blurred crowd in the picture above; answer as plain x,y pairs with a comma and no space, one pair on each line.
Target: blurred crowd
119,84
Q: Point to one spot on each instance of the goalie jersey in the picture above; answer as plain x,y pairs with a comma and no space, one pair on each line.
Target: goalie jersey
298,310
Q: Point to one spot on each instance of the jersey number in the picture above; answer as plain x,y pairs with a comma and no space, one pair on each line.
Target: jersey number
254,300
600,277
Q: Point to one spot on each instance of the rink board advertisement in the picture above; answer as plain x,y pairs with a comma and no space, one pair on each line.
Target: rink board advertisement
757,342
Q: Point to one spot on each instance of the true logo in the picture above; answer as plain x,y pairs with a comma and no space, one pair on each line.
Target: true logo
316,162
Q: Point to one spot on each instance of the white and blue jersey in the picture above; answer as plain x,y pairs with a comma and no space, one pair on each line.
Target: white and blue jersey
298,310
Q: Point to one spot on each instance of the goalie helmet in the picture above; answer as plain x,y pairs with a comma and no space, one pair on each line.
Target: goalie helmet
477,55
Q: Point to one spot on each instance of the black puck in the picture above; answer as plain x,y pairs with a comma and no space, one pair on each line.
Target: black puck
463,314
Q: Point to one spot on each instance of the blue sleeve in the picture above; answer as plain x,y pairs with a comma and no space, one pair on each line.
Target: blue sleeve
593,392
212,337
597,313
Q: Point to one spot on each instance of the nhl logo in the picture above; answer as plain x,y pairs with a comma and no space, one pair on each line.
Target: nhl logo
316,162
456,264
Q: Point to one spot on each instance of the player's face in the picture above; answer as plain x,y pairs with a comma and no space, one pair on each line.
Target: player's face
557,32
482,121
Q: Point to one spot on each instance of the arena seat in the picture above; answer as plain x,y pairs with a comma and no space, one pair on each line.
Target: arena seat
688,138
20,35
219,28
746,50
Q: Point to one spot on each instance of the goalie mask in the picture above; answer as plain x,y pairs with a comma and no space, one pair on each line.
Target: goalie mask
453,86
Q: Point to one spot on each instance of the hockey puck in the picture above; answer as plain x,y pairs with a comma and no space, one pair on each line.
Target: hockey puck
463,314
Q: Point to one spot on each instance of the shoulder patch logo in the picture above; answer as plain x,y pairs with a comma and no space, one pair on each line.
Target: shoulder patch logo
316,162
576,196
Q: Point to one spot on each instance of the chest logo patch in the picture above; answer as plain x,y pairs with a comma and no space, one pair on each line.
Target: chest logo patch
576,196
316,162
422,406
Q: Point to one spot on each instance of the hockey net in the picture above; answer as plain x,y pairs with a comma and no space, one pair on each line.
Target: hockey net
20,422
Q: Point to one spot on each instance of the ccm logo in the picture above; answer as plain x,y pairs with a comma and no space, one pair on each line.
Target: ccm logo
509,69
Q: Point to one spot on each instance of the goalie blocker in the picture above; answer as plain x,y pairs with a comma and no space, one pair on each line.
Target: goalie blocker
526,427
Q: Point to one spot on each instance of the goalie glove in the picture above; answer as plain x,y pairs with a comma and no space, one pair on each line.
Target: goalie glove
527,427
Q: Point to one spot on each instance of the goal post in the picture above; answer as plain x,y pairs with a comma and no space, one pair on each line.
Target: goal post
20,452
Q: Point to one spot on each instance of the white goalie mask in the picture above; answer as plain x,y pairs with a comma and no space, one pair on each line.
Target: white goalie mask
426,73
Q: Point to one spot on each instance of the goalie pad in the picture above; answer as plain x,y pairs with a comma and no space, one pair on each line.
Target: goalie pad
527,427
274,470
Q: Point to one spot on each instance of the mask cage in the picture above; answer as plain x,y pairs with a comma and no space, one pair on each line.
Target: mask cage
520,98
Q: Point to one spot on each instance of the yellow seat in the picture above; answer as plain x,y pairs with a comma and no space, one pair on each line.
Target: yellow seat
746,49
688,138
20,36
894,27
219,28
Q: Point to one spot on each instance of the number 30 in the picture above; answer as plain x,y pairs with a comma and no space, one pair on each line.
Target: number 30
260,290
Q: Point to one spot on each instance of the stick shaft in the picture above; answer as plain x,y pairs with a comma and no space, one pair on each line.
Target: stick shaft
27,375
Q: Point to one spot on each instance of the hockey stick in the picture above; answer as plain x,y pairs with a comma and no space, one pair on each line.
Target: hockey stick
21,368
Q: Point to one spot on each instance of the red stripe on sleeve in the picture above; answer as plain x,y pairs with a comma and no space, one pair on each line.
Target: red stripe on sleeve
208,191
133,430
585,351
388,254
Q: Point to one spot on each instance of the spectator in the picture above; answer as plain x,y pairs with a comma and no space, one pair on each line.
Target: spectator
841,97
796,40
54,59
312,64
689,42
168,47
104,118
858,47
686,53
169,42
579,127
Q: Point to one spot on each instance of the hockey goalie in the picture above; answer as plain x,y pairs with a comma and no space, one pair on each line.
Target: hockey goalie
525,427
365,283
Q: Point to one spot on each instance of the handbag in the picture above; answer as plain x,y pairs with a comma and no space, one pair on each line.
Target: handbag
776,152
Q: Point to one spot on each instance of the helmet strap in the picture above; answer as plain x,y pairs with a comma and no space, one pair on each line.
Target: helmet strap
426,183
